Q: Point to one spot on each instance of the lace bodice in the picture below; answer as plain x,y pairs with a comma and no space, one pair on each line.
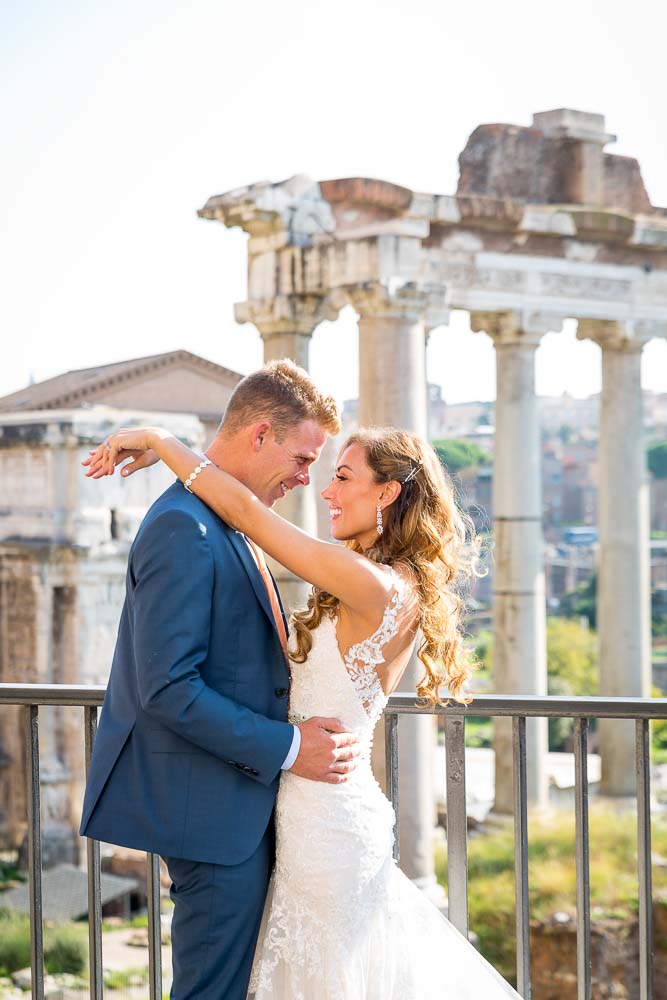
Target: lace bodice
347,687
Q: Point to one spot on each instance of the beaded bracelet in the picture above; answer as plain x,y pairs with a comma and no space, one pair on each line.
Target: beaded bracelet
193,475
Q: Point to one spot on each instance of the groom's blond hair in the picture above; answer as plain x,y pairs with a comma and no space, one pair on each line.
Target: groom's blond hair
283,394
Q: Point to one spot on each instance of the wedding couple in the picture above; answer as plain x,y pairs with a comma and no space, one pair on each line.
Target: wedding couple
257,792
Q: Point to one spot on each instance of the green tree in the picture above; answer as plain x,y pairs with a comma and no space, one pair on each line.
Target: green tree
572,658
484,650
582,602
657,459
572,669
457,454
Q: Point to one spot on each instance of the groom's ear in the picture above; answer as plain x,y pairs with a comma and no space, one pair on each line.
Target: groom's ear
259,434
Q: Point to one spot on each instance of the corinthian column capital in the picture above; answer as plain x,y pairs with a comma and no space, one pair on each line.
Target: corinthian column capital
525,328
286,314
408,300
614,335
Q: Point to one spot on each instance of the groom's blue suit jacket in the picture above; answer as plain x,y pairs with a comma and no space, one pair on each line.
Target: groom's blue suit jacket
193,730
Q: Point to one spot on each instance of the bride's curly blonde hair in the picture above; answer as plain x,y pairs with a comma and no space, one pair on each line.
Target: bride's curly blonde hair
425,532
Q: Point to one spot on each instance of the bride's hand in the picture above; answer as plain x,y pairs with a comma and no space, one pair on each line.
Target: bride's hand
135,444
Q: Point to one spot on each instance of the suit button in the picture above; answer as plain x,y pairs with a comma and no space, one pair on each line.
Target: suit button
281,692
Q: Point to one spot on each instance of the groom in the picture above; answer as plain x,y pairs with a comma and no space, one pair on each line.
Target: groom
193,733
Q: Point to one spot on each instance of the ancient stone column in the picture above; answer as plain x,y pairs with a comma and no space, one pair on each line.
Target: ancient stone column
519,609
392,390
623,598
286,325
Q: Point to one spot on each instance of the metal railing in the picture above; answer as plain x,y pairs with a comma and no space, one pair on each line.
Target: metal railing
581,710
31,697
641,710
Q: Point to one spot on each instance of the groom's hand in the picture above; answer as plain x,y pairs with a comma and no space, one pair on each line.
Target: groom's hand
327,752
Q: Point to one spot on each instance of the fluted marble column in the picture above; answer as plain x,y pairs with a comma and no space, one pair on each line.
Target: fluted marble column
286,325
519,608
393,391
623,599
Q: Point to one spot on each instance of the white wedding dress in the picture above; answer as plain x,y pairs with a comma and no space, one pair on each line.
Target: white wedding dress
341,921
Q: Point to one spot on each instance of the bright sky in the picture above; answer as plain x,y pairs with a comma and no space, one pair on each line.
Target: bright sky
121,119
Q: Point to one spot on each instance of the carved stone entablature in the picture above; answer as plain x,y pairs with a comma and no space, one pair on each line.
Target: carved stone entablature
542,221
629,337
650,231
595,224
394,300
298,314
489,213
293,209
567,288
524,329
382,195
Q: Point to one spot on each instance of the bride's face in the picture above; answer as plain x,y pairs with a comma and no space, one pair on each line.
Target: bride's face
352,497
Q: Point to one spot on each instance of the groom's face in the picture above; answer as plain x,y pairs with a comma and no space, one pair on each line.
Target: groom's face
281,465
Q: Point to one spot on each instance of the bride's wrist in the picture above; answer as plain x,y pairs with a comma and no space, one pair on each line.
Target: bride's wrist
156,438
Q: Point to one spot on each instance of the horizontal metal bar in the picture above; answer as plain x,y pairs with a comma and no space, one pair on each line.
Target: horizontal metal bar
401,703
533,706
52,694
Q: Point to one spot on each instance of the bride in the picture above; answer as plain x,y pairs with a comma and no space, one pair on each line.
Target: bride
341,921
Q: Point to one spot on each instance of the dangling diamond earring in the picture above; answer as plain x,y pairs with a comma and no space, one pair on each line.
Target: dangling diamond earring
378,516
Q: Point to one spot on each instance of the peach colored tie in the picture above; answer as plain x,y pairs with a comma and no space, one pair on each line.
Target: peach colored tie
270,590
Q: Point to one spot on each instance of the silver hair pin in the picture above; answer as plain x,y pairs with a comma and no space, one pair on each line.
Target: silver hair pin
414,469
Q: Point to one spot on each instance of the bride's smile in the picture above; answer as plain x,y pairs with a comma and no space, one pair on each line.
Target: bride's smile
353,497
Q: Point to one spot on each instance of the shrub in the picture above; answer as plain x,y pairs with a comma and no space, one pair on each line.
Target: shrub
123,979
14,941
66,949
65,945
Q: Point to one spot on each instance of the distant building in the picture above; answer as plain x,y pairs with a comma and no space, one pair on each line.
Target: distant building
175,382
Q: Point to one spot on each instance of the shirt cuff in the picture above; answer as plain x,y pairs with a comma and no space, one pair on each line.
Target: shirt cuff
291,757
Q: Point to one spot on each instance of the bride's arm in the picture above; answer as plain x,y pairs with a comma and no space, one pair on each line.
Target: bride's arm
356,581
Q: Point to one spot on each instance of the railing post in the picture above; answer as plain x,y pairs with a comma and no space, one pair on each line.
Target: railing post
391,761
154,926
94,878
34,852
582,859
521,912
643,765
457,832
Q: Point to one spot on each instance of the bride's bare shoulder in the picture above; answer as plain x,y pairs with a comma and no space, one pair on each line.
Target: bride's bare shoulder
407,584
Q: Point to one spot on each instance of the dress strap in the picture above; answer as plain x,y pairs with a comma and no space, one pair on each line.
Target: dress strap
363,658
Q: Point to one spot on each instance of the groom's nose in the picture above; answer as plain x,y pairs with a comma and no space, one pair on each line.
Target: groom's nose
302,478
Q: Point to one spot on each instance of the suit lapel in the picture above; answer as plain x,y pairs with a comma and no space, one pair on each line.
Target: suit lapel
250,566
280,602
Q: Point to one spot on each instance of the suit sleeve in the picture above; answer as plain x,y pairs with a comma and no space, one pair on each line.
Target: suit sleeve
173,572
